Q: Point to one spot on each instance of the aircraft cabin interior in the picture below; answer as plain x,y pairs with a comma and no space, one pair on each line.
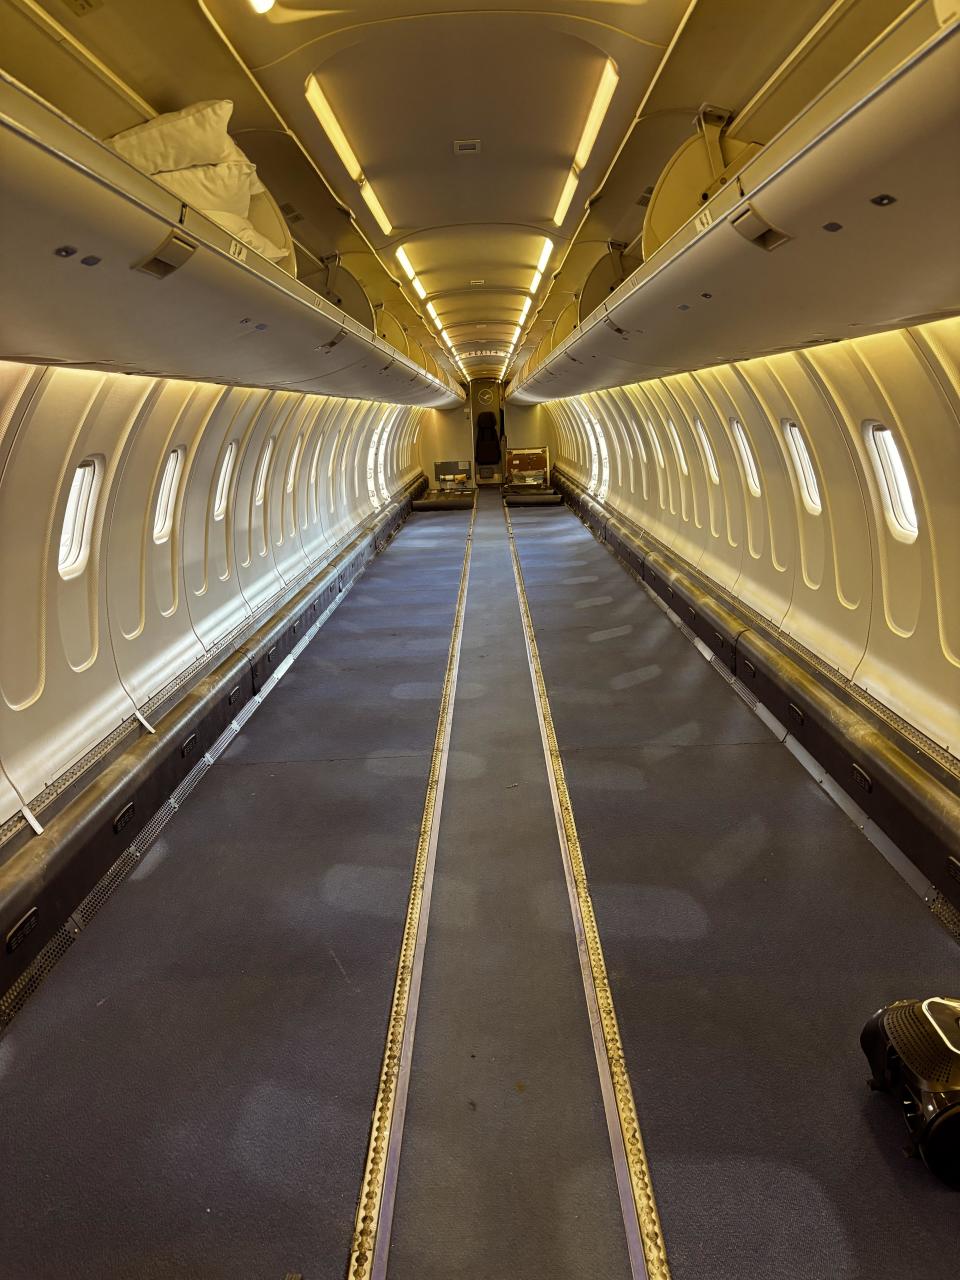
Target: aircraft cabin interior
480,640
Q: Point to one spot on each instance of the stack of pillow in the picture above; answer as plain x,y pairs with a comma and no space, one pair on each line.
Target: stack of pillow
192,155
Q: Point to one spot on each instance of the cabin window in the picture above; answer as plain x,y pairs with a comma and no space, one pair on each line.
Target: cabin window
77,531
260,488
709,456
292,465
746,457
167,497
640,445
678,447
656,445
223,482
894,482
803,466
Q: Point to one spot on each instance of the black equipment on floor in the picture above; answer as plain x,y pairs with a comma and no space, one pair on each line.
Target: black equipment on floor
913,1047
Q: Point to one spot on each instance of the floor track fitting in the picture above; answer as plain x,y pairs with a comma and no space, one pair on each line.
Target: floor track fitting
645,1242
371,1237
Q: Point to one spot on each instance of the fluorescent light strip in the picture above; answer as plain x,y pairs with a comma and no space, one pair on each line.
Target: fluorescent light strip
338,140
609,79
375,207
601,101
405,262
545,253
331,127
525,310
566,197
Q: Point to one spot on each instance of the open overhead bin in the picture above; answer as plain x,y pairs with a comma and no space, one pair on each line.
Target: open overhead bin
842,225
103,267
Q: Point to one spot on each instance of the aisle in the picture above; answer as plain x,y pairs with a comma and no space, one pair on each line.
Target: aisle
506,1166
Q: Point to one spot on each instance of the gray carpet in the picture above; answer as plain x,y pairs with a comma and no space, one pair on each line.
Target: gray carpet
749,930
505,1171
189,1094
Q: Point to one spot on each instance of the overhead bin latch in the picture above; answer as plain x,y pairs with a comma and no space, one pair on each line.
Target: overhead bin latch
337,338
170,256
754,227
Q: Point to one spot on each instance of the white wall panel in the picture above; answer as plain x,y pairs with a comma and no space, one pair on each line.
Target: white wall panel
80,650
839,575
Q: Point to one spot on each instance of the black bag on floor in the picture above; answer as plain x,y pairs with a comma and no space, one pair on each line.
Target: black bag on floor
913,1047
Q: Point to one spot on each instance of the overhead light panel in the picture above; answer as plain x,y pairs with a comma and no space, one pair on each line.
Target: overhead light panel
432,313
331,127
545,253
405,263
535,282
375,207
262,6
566,197
516,335
525,309
338,140
446,337
601,101
609,79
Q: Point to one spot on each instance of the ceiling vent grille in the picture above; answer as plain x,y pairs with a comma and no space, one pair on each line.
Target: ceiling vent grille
466,146
290,213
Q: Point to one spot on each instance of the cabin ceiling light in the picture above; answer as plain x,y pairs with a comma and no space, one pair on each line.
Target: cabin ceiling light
375,207
262,6
609,79
411,275
524,311
545,253
331,127
566,197
432,312
446,337
601,101
338,140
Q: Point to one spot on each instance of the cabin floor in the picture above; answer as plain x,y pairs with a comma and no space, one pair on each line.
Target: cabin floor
190,1092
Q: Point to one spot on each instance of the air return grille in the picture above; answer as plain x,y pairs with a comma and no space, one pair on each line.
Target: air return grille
466,146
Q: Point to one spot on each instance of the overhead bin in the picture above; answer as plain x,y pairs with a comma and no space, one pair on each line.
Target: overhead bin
103,267
840,226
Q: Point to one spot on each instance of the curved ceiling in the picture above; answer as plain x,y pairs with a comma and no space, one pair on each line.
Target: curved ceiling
406,82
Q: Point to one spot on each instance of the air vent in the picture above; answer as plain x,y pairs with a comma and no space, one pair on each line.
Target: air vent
645,197
477,283
466,146
290,213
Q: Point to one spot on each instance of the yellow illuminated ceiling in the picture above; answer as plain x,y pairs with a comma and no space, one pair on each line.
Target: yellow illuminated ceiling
524,94
371,165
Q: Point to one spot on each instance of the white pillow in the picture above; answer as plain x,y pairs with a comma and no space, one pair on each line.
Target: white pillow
226,186
235,153
243,230
195,135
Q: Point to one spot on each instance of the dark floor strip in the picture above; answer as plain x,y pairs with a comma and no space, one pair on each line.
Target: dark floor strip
190,1092
506,1170
749,930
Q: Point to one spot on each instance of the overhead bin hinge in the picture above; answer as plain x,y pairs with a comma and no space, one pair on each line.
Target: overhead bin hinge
711,122
173,252
754,227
